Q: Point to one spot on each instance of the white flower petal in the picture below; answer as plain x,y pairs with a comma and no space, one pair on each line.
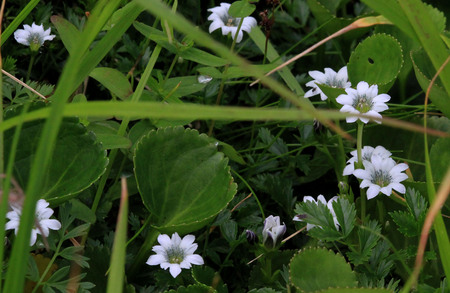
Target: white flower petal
175,270
155,260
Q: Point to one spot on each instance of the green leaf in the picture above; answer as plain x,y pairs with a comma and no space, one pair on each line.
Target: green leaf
319,215
117,266
113,80
376,60
406,223
345,214
199,288
74,149
229,230
440,158
355,290
424,73
80,211
417,205
183,180
368,237
393,11
428,34
314,269
241,8
410,223
106,133
68,33
77,231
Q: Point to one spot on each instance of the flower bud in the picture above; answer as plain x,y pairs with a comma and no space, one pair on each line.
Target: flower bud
251,237
273,232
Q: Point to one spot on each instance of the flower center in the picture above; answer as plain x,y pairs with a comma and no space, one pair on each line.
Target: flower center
363,104
230,21
334,82
175,255
381,178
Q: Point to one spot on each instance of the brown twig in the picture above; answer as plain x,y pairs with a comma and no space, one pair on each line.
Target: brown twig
23,84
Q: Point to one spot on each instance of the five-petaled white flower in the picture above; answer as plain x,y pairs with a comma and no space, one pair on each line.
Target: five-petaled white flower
43,214
382,175
363,100
367,152
329,78
329,204
222,19
33,36
273,231
175,253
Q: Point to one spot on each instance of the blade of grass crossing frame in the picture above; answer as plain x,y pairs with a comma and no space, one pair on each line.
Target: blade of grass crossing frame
18,20
117,266
16,271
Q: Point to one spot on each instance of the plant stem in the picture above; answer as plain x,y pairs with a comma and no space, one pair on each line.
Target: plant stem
47,269
224,74
359,164
30,66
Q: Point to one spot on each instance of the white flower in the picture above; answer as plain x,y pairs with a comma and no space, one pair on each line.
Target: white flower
329,204
221,19
367,152
329,78
273,231
175,253
204,78
382,175
43,214
363,100
33,36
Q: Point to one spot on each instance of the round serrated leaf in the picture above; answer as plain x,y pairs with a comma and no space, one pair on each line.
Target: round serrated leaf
198,288
182,178
376,60
241,9
356,290
78,159
314,269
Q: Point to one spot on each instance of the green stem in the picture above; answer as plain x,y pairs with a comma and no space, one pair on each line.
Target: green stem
250,188
359,164
143,252
47,269
224,74
30,66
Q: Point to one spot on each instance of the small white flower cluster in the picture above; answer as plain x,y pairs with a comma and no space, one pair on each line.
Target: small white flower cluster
33,36
175,253
223,20
329,205
42,222
380,173
362,100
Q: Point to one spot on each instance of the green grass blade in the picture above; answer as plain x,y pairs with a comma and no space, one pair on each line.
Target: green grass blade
157,110
393,11
429,36
16,272
18,20
117,267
